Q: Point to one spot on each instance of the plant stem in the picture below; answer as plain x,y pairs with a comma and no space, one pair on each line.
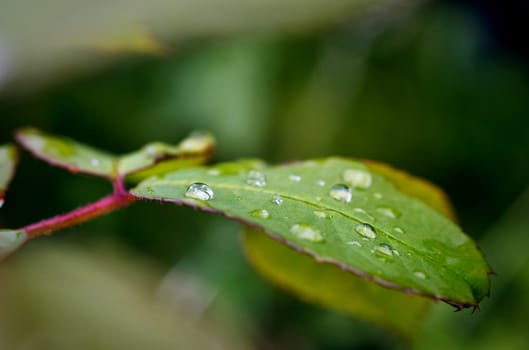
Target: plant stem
119,199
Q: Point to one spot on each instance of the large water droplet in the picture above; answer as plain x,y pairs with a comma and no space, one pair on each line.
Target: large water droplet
383,250
294,177
260,213
277,200
389,212
419,274
366,231
322,214
307,232
256,178
199,190
341,192
357,178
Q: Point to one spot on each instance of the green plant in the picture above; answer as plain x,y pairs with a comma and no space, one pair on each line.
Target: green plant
387,231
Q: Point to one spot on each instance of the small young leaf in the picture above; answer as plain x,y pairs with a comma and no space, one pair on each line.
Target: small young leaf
194,150
329,286
8,160
67,153
10,240
326,208
153,159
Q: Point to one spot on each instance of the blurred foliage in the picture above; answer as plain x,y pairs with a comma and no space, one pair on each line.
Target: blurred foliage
426,90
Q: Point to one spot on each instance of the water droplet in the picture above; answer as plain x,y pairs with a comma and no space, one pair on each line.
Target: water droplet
419,274
357,178
277,200
260,213
355,243
214,172
322,214
341,193
307,232
396,252
383,250
256,178
153,149
377,195
366,230
398,230
363,215
199,191
389,212
320,182
294,177
95,162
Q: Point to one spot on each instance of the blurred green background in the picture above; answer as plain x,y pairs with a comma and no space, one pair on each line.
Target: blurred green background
438,88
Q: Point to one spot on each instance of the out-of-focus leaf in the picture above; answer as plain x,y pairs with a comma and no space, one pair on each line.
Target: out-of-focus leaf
329,286
37,43
8,160
339,212
67,153
156,158
10,240
153,159
63,298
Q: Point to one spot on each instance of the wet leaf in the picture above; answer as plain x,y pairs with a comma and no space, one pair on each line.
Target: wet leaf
326,285
8,160
327,208
152,159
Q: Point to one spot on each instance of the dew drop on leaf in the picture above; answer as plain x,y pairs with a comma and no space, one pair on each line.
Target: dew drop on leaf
277,200
389,212
256,178
322,214
355,243
363,215
199,190
214,172
94,162
377,195
419,274
366,231
357,178
307,232
341,192
260,213
383,250
294,177
398,230
320,182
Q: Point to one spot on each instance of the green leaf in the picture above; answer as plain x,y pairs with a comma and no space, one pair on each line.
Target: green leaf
10,240
67,153
152,159
327,285
157,158
8,160
339,212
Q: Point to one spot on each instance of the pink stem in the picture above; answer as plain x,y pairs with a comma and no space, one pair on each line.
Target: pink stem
120,198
